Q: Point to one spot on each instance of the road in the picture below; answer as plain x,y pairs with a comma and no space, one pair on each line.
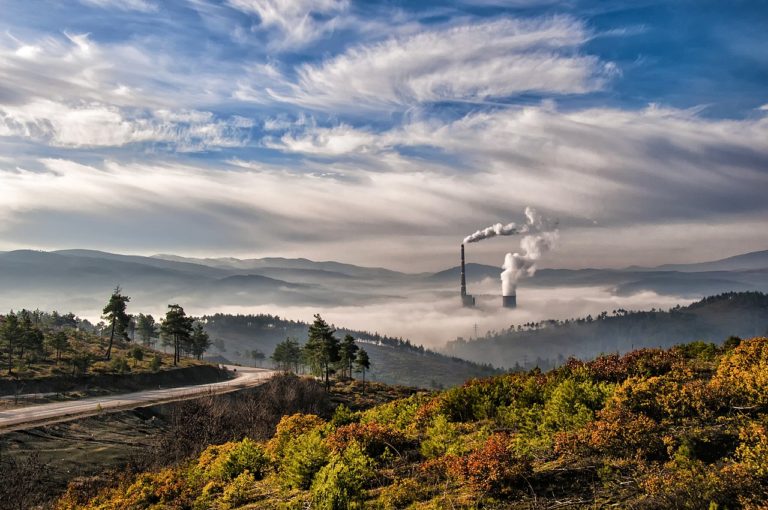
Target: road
44,414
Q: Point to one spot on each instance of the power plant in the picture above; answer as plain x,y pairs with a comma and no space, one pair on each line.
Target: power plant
539,236
466,300
508,299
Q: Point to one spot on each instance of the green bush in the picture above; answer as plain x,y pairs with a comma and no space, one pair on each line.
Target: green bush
119,365
340,484
441,437
245,456
155,363
302,458
237,492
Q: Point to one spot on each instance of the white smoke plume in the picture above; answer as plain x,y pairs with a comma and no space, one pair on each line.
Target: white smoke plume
541,236
495,230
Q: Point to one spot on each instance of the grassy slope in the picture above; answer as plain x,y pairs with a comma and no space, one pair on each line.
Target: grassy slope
679,428
392,362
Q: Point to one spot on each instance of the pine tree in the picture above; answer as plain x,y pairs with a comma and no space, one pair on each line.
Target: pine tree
10,335
362,363
322,349
177,328
347,352
118,319
201,342
145,324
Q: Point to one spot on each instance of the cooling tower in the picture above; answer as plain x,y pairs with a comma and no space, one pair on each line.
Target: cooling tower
509,301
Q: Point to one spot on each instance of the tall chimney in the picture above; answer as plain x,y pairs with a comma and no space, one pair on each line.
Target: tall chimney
463,276
509,301
466,299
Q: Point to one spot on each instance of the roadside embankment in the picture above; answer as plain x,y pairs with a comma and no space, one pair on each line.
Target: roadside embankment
169,378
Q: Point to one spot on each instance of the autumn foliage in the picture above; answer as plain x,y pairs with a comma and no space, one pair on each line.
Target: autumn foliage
681,428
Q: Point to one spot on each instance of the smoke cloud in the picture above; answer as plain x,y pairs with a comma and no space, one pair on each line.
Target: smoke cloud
541,237
495,230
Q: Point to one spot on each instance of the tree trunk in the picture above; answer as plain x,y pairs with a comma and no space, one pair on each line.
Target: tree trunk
10,356
111,339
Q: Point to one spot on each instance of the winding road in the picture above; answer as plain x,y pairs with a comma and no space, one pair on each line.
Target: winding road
45,414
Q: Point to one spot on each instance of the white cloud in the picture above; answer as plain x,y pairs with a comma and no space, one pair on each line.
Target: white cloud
612,165
123,5
298,21
99,125
470,62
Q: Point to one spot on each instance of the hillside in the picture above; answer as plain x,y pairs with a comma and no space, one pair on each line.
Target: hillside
682,428
394,361
548,343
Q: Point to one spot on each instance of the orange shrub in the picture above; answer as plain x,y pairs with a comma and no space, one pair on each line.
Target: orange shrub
494,468
618,432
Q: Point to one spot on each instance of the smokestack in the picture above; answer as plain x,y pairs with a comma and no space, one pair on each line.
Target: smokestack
463,277
466,299
509,301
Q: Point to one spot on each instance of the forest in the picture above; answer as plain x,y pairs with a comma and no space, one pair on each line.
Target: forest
682,427
549,343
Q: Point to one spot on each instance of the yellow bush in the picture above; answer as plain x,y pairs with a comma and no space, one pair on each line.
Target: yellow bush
743,373
237,492
289,428
753,450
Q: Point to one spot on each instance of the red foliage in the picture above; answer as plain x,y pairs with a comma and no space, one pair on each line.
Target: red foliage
494,468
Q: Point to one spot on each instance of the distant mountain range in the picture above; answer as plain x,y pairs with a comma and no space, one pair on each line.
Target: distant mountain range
79,279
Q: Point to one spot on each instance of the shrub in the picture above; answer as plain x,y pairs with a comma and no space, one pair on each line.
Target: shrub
289,428
494,468
573,403
753,450
743,373
343,415
620,432
165,486
444,437
399,414
155,363
302,457
237,492
119,365
373,438
400,494
340,484
226,462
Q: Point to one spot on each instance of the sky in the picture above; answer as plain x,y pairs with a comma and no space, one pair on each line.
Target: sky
382,133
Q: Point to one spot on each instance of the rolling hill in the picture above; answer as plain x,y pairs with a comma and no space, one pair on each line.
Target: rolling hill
549,343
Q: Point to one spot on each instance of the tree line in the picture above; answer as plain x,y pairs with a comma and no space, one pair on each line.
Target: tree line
184,333
28,337
323,353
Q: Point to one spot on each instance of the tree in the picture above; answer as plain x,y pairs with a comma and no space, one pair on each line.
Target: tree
177,327
30,338
10,335
257,356
362,363
114,313
347,351
287,355
200,341
59,343
147,328
137,353
322,349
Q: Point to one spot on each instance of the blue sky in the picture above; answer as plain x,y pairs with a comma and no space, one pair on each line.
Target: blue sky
383,132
